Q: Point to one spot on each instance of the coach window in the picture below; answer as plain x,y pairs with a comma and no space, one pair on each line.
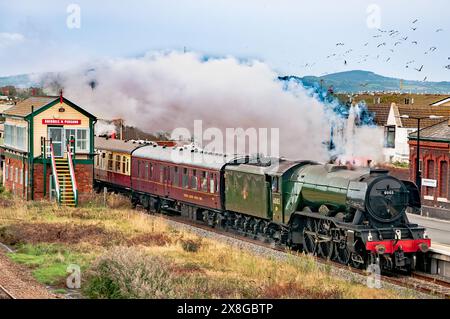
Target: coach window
110,161
102,160
194,179
146,171
204,181
118,163
185,178
212,183
124,162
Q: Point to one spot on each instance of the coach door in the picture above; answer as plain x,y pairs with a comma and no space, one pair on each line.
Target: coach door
166,180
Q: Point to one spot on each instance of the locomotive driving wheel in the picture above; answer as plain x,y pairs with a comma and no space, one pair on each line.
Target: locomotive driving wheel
325,243
358,259
341,252
310,237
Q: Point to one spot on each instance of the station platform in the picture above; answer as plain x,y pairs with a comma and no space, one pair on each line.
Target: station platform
439,260
438,230
439,254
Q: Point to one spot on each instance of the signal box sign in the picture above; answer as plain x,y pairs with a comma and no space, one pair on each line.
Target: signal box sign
60,122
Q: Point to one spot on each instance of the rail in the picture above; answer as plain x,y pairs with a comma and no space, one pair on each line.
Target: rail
6,292
55,173
72,174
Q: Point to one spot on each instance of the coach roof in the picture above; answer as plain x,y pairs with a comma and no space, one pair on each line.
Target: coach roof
114,145
188,155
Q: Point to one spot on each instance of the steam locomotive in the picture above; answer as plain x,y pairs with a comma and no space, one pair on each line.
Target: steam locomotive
356,217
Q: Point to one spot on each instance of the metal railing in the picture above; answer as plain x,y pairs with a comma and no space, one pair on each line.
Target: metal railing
55,174
72,173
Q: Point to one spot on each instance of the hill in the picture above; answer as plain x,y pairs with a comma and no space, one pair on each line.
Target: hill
20,81
358,80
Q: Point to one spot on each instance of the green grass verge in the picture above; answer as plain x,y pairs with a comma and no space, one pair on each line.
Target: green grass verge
49,261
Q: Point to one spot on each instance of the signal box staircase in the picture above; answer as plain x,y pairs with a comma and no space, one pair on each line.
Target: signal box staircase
67,195
65,183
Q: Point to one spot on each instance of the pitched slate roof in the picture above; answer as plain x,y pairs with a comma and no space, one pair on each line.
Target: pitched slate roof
422,111
40,103
23,108
437,132
380,112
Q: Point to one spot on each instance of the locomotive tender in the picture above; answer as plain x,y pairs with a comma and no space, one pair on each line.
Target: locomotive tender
355,216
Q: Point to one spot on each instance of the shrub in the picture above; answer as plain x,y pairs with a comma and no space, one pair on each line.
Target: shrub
128,273
191,245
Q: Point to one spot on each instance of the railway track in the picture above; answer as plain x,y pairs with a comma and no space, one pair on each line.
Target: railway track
417,281
5,294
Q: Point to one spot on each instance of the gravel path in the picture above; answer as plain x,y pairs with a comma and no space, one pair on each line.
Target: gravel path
19,282
266,252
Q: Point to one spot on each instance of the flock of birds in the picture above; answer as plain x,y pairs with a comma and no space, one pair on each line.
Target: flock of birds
387,39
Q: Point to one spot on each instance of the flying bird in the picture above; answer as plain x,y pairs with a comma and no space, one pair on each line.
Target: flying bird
425,78
392,50
415,21
377,36
447,67
409,62
432,49
396,43
388,59
366,44
414,29
405,38
340,43
381,44
345,62
439,30
420,69
414,42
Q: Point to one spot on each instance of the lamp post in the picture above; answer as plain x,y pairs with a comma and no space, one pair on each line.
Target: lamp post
418,173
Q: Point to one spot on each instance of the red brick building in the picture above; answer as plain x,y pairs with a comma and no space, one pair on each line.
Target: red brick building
49,150
434,163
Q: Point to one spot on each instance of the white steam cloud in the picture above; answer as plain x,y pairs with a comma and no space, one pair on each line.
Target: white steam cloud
168,91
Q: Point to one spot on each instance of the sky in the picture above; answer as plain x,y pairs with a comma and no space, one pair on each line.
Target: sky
292,37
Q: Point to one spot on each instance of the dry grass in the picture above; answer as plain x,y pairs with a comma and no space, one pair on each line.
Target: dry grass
140,256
